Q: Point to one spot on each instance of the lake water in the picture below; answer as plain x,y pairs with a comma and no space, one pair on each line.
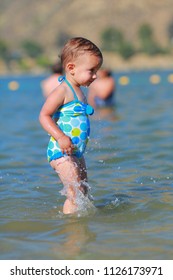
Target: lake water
130,170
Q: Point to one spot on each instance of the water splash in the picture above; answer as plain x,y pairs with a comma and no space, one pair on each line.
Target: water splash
85,204
83,201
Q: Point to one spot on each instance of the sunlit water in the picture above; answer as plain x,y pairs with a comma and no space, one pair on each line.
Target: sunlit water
130,169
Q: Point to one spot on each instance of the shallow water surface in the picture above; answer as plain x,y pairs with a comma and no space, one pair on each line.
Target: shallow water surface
130,170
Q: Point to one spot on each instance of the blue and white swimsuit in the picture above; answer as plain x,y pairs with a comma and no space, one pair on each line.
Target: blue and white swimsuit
74,122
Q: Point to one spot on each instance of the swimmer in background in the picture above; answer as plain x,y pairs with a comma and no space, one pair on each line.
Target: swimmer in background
81,60
50,83
101,92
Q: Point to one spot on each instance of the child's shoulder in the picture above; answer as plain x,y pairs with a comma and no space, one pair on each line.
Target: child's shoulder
60,90
61,94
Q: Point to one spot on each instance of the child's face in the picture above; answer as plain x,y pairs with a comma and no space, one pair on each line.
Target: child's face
85,68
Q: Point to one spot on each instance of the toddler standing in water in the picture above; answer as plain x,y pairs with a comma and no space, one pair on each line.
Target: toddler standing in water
81,60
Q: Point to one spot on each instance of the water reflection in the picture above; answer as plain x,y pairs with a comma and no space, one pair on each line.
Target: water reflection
72,239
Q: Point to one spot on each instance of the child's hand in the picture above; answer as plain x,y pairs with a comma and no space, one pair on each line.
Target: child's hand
66,145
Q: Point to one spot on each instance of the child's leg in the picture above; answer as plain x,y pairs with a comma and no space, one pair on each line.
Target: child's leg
72,172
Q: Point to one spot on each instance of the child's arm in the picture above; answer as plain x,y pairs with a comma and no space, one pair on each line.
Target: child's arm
54,101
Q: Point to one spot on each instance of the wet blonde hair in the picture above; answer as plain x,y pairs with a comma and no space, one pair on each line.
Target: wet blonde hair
77,46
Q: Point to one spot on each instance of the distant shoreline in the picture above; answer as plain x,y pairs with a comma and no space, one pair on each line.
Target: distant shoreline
114,62
138,62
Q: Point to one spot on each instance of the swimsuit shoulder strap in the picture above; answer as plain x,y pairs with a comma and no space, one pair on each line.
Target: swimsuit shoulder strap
63,78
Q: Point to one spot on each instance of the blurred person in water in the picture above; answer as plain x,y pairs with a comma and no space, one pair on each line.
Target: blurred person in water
81,59
101,92
50,83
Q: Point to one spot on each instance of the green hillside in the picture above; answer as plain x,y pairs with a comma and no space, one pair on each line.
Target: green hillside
45,21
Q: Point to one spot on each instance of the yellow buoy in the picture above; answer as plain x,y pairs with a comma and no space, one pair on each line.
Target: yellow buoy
124,80
13,85
155,79
170,78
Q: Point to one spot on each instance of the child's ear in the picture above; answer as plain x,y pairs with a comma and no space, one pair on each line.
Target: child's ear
70,67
